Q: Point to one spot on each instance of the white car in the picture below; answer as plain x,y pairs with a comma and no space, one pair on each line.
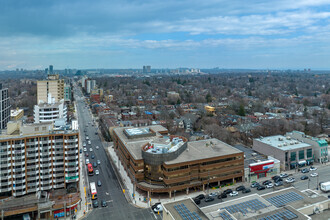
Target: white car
97,172
284,175
87,138
85,149
313,168
98,162
314,174
290,180
89,142
159,208
234,193
90,149
84,144
270,185
97,147
87,161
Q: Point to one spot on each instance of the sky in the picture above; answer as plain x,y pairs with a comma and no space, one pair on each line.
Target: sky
281,34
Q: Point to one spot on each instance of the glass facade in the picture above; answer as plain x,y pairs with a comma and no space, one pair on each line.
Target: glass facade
309,153
301,155
293,156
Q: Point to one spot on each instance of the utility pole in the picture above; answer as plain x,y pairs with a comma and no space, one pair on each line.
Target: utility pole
208,186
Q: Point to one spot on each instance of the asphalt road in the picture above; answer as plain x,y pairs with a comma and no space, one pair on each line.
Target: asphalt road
118,207
324,176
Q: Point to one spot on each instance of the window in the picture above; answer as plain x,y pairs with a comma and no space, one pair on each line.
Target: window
309,153
293,156
36,129
301,154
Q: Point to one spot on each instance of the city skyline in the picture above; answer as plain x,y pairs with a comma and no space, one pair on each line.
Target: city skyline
128,34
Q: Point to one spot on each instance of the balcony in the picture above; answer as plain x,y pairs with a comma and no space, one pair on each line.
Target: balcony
58,186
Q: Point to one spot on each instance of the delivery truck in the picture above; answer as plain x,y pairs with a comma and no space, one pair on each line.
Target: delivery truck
325,187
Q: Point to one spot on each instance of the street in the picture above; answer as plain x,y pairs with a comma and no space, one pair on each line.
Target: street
110,190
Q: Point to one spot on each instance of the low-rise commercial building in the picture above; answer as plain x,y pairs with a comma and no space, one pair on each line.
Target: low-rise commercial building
16,114
291,152
320,146
158,162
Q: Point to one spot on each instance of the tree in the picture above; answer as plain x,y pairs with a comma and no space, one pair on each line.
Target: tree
241,110
208,97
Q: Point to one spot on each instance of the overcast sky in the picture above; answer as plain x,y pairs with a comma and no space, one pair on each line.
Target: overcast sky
165,34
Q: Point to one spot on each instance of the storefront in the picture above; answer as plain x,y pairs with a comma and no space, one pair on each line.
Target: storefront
261,169
60,213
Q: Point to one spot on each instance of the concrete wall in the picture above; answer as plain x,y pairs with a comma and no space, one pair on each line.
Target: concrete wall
270,151
309,210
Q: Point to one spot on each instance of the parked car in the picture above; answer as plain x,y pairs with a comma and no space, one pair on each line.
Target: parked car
213,195
81,150
159,208
234,193
104,203
312,168
279,179
284,175
209,199
270,185
200,196
246,190
85,149
280,183
261,187
197,201
222,196
97,172
254,185
266,182
240,188
290,180
99,183
305,170
95,204
84,144
314,174
304,177
227,191
275,177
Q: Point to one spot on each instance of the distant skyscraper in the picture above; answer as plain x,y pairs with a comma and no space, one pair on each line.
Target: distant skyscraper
51,69
4,107
146,69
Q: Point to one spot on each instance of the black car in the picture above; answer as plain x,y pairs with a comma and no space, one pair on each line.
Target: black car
93,156
94,164
275,177
267,182
104,203
304,177
246,190
209,199
305,170
227,191
155,205
197,201
278,180
99,183
80,150
200,196
240,188
254,185
95,204
261,187
96,133
222,196
86,155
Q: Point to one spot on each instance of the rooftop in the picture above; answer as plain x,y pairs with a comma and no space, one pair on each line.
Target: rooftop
187,205
283,143
204,149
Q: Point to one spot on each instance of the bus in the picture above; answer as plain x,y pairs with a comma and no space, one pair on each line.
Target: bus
93,190
90,169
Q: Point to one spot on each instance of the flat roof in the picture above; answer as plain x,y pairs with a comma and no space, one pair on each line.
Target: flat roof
283,143
204,149
173,207
133,145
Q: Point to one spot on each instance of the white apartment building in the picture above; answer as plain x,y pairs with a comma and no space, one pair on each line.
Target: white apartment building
37,158
51,111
